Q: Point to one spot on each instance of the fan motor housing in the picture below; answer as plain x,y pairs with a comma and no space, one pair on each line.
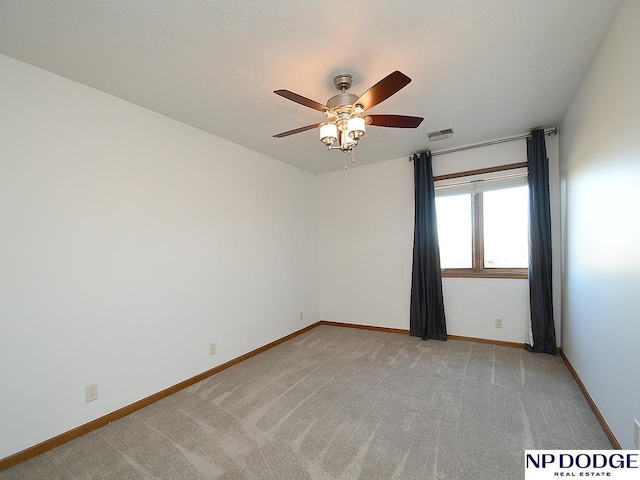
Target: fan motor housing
342,100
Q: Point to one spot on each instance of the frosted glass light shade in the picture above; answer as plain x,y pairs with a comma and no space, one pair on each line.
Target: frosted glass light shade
355,127
346,141
328,133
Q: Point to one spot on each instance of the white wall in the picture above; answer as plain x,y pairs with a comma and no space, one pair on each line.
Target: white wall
365,239
365,218
128,242
600,155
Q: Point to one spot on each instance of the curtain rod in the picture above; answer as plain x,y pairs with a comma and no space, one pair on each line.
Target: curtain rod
548,132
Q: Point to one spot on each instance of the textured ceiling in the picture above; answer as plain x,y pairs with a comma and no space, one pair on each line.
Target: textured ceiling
488,69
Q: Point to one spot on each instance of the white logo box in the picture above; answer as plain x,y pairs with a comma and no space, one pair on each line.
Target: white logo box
557,464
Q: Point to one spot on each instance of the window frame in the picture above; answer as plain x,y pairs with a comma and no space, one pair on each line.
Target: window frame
478,269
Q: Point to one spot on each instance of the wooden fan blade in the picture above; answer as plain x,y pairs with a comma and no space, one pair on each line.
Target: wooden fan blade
396,121
383,89
301,100
297,130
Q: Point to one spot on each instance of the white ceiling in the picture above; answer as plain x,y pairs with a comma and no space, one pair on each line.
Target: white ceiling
488,69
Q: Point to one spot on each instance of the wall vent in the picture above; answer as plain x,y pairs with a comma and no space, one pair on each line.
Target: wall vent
440,134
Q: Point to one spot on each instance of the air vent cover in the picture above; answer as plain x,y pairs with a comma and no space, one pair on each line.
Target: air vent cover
440,134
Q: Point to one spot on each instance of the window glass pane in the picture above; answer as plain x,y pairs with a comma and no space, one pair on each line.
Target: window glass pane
454,231
506,228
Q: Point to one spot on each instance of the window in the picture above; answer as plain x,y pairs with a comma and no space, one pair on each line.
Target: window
483,225
505,226
455,230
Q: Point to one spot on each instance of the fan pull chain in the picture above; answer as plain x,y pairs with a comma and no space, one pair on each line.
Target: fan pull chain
351,152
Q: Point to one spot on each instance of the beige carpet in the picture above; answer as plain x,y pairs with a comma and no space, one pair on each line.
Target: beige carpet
342,403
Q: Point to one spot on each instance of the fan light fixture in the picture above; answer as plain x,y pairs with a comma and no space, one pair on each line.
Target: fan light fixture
345,124
330,133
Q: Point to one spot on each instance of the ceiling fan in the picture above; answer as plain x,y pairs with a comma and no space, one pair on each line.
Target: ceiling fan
345,112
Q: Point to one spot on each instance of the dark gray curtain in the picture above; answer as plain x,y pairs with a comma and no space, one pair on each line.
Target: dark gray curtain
540,288
427,305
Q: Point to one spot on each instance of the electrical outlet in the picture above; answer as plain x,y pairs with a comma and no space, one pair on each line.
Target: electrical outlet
212,349
91,392
301,316
498,322
636,435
